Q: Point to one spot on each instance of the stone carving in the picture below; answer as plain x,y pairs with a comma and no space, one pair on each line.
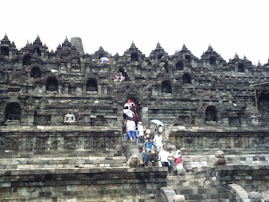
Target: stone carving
69,118
98,121
89,143
75,64
11,143
219,158
184,120
71,142
42,119
42,143
189,141
255,197
234,121
132,161
179,198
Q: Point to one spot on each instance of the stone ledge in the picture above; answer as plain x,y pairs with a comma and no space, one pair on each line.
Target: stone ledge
16,172
215,129
65,128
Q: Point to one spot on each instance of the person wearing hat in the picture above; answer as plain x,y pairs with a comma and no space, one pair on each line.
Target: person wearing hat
179,163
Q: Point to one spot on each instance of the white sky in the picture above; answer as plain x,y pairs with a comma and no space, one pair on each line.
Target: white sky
228,25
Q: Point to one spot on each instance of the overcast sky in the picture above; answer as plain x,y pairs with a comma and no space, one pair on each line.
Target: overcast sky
228,25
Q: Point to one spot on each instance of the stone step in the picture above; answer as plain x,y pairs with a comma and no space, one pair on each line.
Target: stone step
199,193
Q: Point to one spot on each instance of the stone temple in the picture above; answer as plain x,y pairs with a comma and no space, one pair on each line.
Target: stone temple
61,124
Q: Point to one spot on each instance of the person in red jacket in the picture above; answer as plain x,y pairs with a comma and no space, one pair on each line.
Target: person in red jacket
179,163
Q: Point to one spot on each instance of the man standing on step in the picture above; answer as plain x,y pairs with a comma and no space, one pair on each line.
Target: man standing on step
163,157
158,141
131,129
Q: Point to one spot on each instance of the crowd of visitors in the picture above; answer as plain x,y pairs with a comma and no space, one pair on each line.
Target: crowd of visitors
153,148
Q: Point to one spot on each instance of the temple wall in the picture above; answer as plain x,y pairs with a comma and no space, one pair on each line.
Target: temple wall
60,141
250,177
197,138
98,184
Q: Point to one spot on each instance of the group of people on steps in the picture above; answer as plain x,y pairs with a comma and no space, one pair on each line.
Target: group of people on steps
153,148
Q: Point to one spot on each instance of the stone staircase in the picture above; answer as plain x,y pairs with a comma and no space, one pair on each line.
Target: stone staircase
196,189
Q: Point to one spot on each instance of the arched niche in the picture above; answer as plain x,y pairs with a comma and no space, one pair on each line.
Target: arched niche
91,85
241,67
188,58
211,114
166,87
4,51
179,65
212,60
186,78
52,84
134,57
26,60
36,72
263,104
37,51
124,73
160,56
13,112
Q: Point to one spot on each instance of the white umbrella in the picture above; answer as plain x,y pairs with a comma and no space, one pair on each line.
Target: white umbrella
54,70
157,122
104,60
129,113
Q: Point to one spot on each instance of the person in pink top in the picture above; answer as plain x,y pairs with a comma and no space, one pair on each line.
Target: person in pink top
179,163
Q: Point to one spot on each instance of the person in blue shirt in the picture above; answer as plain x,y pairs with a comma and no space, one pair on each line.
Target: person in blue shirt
149,145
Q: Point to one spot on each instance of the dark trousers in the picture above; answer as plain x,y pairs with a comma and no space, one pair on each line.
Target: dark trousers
164,164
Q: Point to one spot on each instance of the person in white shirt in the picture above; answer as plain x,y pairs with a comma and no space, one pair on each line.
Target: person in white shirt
131,130
163,157
140,129
158,141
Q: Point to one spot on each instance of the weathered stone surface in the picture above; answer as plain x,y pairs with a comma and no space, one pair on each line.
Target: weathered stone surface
96,184
255,197
77,42
206,104
60,141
